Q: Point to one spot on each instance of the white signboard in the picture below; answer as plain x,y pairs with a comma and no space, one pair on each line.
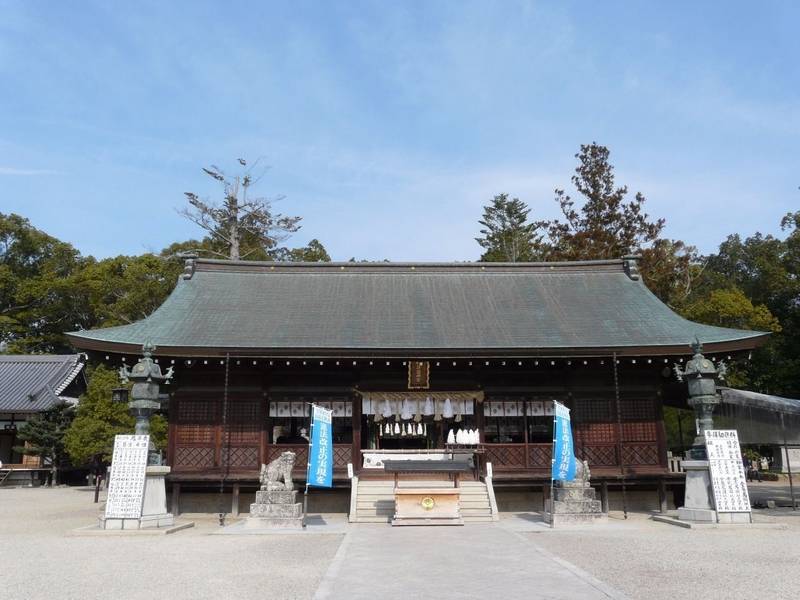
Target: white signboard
727,471
126,486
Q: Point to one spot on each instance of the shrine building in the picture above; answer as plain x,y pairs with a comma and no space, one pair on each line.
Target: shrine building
404,353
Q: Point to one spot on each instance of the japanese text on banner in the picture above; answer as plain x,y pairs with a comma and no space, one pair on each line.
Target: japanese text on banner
563,452
320,463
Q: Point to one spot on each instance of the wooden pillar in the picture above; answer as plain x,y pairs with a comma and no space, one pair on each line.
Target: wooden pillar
662,496
266,422
604,496
172,417
525,428
235,500
176,499
355,457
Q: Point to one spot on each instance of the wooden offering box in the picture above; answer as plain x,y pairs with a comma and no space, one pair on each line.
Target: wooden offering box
427,506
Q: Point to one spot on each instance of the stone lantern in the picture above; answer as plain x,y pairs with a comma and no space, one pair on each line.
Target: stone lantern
145,397
144,400
701,376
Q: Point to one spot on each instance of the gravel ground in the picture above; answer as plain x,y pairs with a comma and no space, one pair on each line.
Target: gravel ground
652,560
40,559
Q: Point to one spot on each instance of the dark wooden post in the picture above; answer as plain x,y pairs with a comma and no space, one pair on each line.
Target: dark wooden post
176,499
525,426
355,457
662,496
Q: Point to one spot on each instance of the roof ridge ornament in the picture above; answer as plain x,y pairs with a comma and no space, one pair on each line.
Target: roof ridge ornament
631,265
189,264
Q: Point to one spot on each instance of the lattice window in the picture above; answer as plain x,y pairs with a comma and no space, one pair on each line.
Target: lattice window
539,456
593,433
600,455
194,458
244,423
192,434
589,410
342,455
638,409
640,454
240,457
506,457
197,411
244,411
639,432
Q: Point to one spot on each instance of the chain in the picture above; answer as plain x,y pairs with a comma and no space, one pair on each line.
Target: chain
619,437
226,449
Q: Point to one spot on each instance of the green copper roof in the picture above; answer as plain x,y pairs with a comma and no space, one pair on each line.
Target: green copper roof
424,309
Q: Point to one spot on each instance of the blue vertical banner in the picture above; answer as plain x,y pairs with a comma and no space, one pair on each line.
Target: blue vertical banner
563,451
320,459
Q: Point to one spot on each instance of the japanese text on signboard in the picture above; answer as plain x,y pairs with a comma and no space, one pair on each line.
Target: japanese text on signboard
126,485
727,470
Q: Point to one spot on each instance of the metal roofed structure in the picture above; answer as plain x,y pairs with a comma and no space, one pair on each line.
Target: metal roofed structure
32,383
586,308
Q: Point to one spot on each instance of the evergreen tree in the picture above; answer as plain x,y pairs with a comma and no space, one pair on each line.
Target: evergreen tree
99,419
313,252
606,225
507,235
44,434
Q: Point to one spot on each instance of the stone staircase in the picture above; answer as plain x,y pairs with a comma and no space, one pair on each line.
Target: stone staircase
372,500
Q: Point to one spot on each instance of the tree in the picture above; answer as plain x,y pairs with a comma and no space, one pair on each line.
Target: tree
507,235
243,226
124,289
313,252
607,226
99,419
731,308
44,434
762,272
38,300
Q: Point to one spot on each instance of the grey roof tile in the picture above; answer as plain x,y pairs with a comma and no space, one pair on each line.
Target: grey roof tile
355,307
31,383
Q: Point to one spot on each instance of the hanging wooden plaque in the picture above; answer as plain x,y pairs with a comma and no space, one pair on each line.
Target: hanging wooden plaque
419,375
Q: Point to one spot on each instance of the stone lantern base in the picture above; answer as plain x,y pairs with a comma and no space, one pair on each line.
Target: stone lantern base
154,506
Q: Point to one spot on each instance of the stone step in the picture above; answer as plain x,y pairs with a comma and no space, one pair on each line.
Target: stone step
474,519
475,500
476,511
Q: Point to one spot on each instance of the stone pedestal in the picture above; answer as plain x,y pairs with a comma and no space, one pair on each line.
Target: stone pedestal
154,505
573,504
275,509
698,504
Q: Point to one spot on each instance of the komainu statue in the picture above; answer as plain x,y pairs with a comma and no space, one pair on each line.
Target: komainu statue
280,468
582,472
582,476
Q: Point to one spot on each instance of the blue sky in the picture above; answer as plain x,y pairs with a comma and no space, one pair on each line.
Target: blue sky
388,125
